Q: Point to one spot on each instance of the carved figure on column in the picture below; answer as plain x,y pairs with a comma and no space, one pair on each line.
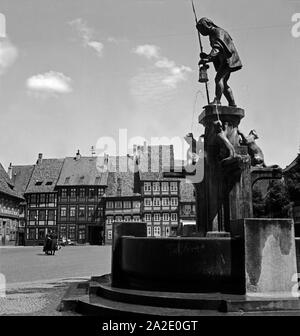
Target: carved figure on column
223,55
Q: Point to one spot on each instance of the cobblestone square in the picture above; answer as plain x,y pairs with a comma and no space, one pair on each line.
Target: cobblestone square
35,282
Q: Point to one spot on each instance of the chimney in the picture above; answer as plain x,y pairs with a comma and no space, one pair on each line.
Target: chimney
78,156
119,186
106,159
136,176
9,171
40,158
134,149
105,163
160,158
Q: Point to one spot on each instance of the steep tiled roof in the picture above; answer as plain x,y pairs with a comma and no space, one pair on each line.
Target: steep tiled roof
154,160
294,164
186,191
120,177
21,176
45,176
83,171
6,184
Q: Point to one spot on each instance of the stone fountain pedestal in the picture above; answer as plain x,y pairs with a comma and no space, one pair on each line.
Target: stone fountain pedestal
236,263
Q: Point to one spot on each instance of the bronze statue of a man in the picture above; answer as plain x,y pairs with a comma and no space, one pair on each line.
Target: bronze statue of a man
224,57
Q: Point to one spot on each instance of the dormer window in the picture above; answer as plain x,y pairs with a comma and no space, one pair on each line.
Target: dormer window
38,183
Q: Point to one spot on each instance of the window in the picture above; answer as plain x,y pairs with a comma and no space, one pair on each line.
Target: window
136,204
119,218
33,199
110,205
156,231
165,202
91,193
99,213
73,193
118,205
149,231
33,215
193,209
136,218
91,210
174,201
63,211
63,232
51,198
174,217
42,199
81,234
72,232
166,217
38,183
165,186
156,201
156,186
147,186
109,234
31,234
109,219
72,212
148,202
127,205
67,180
148,217
100,192
51,215
81,212
173,186
156,217
167,231
49,183
82,193
42,215
64,193
127,219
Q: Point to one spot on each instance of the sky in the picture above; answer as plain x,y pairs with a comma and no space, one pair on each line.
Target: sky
75,72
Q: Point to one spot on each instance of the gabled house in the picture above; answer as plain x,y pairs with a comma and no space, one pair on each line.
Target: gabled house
80,199
20,176
41,199
123,198
10,201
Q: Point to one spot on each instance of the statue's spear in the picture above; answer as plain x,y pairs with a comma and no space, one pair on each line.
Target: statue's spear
204,68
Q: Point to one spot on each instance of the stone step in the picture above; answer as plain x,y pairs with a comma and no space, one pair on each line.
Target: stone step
100,286
98,306
97,297
263,305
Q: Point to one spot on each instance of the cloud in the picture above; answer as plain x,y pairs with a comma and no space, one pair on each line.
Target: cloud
49,83
87,36
147,50
173,74
8,54
178,74
117,40
155,84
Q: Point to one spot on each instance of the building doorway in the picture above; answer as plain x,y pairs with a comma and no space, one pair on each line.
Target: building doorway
95,235
21,238
3,238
